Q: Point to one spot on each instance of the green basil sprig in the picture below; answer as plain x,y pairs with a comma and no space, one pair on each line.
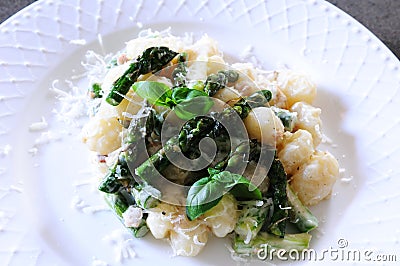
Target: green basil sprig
156,93
208,191
186,102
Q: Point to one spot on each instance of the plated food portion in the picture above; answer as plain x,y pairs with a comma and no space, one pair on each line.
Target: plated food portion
189,146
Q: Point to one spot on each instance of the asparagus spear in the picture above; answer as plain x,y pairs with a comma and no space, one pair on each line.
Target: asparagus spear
116,176
277,191
299,214
257,99
153,59
236,158
119,204
265,242
132,154
96,91
194,130
191,134
251,218
146,197
215,82
179,73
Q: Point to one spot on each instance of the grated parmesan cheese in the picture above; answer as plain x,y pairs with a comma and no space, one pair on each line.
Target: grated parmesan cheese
78,42
122,241
4,151
132,216
46,138
97,262
38,126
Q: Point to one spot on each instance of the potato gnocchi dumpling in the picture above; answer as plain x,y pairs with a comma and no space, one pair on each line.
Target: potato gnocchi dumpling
189,237
297,150
221,219
103,134
160,219
314,180
296,87
263,125
308,118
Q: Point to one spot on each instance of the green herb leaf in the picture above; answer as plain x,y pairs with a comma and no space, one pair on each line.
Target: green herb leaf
238,186
193,107
203,195
181,94
156,93
187,103
208,191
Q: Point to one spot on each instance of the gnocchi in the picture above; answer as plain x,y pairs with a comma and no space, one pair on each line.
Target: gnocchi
297,150
103,134
222,218
189,237
308,118
262,124
296,87
314,180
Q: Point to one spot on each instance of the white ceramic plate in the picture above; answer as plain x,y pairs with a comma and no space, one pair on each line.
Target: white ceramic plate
358,80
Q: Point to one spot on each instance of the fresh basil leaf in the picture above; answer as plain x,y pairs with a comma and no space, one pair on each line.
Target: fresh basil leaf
245,190
156,93
181,94
238,186
202,196
213,171
191,108
207,192
195,93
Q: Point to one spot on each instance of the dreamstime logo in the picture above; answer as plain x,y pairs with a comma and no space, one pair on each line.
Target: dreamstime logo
193,133
340,253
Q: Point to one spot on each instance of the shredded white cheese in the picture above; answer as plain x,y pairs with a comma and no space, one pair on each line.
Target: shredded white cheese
122,243
38,126
16,189
4,151
78,42
46,138
132,216
80,205
97,262
33,151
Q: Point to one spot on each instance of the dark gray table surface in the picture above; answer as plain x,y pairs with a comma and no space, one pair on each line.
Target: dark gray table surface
379,16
